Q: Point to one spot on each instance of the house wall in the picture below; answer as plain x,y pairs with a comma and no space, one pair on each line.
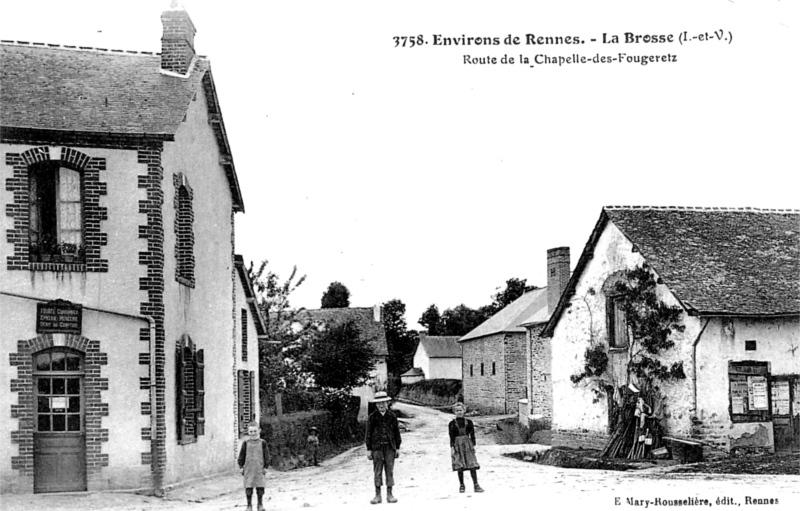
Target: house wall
379,377
246,358
117,432
422,360
579,416
723,341
487,392
444,368
515,346
540,396
205,311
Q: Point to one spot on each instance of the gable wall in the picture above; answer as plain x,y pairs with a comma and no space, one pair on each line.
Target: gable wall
485,392
577,412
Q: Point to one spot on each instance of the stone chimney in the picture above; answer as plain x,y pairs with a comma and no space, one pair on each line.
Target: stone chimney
557,275
177,41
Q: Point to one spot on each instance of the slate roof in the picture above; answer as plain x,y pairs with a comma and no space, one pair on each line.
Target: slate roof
440,346
414,371
364,318
51,89
511,316
717,261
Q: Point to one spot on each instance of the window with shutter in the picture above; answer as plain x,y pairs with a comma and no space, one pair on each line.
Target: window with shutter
253,396
189,391
244,335
617,324
242,395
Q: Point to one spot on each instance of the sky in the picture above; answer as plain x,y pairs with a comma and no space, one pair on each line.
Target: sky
404,172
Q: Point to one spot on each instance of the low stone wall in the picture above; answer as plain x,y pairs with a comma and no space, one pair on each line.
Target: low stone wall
582,438
433,393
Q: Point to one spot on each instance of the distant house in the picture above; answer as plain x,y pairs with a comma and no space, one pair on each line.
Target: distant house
371,326
413,375
734,273
438,356
494,361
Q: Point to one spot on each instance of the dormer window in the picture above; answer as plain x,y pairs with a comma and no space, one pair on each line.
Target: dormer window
56,214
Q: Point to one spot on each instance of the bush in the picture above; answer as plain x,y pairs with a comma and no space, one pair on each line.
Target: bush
286,435
437,392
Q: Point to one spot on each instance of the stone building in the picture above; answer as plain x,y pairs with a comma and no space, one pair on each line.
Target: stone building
537,408
128,351
734,275
494,357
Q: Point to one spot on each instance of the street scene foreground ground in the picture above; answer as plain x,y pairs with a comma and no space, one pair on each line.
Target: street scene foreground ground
424,481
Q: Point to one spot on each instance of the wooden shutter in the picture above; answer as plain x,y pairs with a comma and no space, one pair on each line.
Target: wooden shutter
253,396
180,393
242,400
200,393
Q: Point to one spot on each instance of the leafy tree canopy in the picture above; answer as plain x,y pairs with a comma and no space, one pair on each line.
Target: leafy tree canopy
340,357
432,320
337,295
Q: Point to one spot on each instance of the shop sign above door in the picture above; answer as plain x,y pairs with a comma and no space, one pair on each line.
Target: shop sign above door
58,316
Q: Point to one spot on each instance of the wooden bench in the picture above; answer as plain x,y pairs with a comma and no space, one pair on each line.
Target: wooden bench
687,451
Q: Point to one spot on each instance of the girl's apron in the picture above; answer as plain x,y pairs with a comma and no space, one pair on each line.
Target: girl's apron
463,451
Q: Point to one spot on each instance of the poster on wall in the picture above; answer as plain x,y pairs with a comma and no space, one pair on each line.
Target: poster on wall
758,392
780,398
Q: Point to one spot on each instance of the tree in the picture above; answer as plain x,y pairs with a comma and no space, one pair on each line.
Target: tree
514,289
337,295
461,319
340,357
280,367
401,342
431,320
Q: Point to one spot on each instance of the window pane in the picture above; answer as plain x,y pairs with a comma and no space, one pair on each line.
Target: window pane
59,423
44,423
58,386
74,404
44,404
73,362
43,385
59,362
73,386
69,185
43,362
73,422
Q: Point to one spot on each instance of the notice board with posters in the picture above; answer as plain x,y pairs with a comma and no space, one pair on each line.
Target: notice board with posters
749,391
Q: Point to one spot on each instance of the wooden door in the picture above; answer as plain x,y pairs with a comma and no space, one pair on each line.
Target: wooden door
59,443
782,413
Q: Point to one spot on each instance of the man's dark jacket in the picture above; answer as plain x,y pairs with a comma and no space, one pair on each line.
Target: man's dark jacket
389,419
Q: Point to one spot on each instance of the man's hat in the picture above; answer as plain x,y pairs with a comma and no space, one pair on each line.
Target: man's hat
381,397
313,428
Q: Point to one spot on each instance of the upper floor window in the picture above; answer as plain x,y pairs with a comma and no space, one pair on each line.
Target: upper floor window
56,214
184,232
617,324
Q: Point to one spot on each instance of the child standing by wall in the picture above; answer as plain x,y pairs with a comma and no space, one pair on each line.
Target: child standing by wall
462,447
254,459
313,446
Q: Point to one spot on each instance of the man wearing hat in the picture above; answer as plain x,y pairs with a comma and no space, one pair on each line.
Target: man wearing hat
383,442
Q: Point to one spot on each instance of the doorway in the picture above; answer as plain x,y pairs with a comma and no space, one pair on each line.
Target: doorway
786,413
59,440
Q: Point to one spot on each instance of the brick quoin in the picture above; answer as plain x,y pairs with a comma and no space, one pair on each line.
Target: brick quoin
153,283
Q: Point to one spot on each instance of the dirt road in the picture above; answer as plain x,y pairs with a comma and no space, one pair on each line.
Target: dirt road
424,481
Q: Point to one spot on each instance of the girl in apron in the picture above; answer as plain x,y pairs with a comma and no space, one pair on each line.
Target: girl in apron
253,460
462,447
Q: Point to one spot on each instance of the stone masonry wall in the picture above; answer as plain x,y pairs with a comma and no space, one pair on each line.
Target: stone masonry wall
485,392
541,394
515,366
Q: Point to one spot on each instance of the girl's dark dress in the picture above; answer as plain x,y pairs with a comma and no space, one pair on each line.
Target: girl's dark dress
462,440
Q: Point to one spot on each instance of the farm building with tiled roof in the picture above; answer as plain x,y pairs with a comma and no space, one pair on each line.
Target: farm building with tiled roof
735,275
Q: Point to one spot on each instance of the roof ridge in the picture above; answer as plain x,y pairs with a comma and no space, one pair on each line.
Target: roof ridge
706,208
76,48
